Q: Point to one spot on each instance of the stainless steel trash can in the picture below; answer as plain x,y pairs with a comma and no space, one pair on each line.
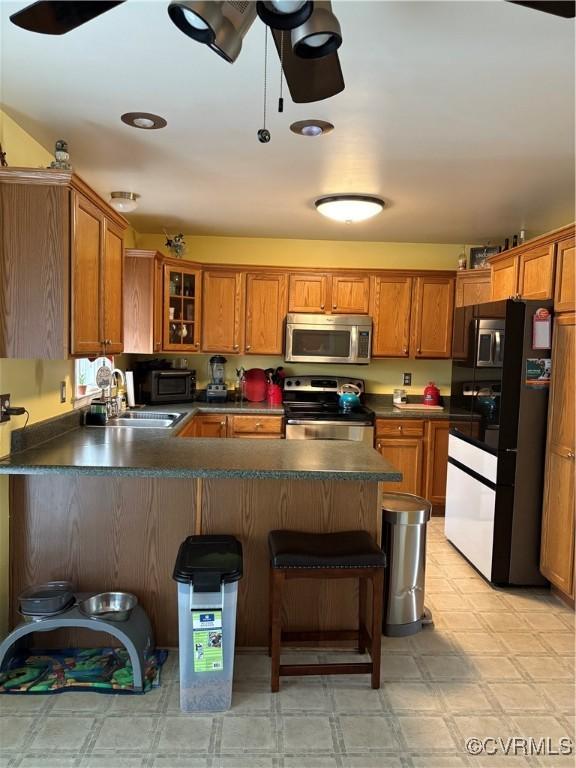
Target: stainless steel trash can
404,519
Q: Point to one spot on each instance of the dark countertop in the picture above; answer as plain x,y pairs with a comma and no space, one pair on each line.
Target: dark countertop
160,453
383,407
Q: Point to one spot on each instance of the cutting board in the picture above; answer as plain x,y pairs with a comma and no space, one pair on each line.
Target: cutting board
418,407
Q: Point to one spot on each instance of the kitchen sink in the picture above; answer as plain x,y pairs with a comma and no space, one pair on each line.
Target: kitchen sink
146,420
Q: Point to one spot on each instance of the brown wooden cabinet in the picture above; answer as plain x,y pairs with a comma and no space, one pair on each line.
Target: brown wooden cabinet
234,425
181,304
308,293
62,267
265,307
142,301
222,309
350,294
432,317
536,272
473,287
558,523
564,292
504,277
390,308
401,442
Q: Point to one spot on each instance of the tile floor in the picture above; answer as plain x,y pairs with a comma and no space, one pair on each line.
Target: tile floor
499,663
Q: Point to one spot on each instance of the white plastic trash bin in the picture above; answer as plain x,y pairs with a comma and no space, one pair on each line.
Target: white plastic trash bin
207,570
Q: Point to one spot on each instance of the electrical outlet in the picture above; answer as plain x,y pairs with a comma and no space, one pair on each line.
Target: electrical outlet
62,391
4,403
407,379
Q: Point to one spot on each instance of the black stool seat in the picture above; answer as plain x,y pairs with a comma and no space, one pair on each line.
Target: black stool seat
345,549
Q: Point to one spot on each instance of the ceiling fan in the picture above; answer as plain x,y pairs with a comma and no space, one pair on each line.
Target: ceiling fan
306,34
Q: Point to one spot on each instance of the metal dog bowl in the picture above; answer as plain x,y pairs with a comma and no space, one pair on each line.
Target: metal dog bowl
110,606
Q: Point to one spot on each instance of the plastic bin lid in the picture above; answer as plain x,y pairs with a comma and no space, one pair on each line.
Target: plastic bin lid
207,561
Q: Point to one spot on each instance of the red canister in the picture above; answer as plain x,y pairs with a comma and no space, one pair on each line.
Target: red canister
255,385
431,394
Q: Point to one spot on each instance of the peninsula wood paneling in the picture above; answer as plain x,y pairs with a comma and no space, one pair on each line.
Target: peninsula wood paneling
102,533
250,509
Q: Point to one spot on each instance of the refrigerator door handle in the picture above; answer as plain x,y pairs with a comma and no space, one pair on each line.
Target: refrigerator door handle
496,359
510,450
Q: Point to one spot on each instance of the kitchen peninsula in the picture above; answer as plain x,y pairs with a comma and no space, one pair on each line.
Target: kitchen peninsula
108,508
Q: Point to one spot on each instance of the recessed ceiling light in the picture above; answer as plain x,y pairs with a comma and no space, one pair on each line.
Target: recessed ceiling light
124,202
311,127
349,208
145,120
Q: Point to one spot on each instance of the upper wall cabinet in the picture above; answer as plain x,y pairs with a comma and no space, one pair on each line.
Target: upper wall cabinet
265,309
564,292
222,311
542,268
142,301
317,293
390,308
182,293
308,293
61,267
473,287
432,317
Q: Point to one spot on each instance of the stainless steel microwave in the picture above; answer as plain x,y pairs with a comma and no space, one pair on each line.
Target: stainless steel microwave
328,338
166,386
490,344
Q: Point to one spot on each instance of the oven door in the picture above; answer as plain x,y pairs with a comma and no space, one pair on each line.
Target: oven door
330,430
317,344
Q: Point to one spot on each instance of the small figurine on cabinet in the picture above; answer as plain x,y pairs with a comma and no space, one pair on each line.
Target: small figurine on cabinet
61,156
176,244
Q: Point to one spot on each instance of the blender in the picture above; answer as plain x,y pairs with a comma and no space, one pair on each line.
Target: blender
216,390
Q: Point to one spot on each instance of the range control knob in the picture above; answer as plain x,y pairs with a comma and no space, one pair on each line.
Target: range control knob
297,383
288,383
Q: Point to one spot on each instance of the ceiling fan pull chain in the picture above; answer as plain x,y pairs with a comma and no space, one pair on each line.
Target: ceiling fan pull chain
264,133
281,100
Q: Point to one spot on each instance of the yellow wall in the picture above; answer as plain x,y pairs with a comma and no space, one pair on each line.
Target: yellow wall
33,384
312,253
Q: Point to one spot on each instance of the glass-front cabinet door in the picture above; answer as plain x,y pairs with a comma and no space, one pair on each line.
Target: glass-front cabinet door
181,309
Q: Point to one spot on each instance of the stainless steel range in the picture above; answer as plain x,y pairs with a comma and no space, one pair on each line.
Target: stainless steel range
311,407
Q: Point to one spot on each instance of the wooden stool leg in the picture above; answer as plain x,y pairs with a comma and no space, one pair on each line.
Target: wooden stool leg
362,615
377,598
276,627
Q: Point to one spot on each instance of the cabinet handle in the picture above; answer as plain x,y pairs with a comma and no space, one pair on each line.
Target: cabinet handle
405,350
196,343
334,306
418,350
258,424
236,346
379,445
321,306
570,454
400,429
222,423
247,347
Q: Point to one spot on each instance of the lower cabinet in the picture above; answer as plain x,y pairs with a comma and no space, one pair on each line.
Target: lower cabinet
419,449
401,442
558,523
233,425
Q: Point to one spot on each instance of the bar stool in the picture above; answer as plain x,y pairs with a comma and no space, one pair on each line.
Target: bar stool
343,555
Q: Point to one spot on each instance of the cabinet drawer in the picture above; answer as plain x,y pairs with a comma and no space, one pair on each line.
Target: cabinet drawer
399,428
267,425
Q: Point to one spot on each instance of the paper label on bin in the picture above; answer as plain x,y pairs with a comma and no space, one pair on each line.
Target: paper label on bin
207,639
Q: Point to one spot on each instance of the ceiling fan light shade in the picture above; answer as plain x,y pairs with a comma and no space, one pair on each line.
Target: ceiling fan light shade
349,208
284,14
199,19
319,36
144,120
124,202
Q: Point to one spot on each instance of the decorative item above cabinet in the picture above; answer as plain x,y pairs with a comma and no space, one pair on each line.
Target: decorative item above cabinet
62,267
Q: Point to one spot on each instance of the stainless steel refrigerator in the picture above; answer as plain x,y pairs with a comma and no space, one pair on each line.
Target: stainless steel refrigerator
495,479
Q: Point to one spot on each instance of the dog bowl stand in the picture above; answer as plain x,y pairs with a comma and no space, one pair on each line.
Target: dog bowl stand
135,634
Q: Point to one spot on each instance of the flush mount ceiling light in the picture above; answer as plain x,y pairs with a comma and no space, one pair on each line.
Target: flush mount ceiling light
349,208
145,120
284,14
311,127
319,36
124,202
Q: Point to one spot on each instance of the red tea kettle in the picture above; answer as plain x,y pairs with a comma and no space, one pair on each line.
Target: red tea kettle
431,394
